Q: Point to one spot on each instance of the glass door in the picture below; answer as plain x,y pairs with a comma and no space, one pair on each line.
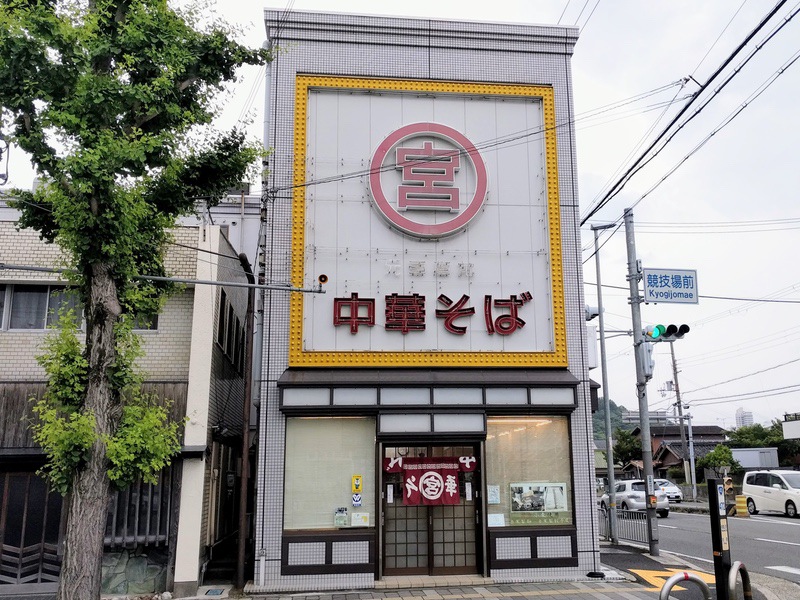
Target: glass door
431,539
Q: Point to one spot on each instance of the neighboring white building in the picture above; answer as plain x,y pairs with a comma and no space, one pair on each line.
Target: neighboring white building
743,417
430,413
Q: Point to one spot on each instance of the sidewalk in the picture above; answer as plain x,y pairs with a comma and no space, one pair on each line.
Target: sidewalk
616,563
630,574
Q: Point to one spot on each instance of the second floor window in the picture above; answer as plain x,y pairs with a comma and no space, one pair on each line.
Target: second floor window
35,306
38,306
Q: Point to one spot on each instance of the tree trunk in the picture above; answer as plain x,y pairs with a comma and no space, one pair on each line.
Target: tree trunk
81,568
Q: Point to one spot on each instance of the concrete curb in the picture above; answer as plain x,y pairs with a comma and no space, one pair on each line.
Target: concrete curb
773,588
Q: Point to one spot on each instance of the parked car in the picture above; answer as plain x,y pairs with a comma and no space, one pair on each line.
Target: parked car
673,492
631,495
773,491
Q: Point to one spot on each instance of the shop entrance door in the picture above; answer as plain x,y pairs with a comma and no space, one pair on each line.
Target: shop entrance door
423,539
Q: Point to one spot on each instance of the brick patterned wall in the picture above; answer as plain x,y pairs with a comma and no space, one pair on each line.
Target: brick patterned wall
24,247
181,261
166,350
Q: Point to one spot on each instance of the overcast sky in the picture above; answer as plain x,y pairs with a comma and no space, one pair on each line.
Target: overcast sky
731,211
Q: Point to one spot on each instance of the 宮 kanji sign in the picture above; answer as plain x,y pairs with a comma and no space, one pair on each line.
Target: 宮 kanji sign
429,155
430,480
440,248
674,286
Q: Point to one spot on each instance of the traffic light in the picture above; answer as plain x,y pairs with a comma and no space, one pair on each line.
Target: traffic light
665,333
727,483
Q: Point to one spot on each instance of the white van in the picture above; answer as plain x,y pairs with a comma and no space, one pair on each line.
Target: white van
772,490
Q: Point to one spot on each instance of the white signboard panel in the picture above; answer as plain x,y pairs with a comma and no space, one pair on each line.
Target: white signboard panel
429,215
674,286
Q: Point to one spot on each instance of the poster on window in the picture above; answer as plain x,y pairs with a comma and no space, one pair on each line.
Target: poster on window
430,480
539,503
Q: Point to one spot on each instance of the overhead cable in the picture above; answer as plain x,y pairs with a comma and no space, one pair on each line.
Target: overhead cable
617,187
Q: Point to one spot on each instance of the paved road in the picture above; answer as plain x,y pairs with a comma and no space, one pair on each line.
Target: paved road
766,544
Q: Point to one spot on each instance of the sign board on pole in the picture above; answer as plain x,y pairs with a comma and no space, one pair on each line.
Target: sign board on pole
674,286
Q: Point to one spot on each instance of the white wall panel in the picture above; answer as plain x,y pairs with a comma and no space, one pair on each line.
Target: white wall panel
348,237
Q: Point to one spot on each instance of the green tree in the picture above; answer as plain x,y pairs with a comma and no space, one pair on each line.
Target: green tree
721,456
758,436
627,446
599,419
788,450
104,95
754,436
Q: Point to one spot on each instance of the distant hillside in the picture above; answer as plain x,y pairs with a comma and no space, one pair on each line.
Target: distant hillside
599,419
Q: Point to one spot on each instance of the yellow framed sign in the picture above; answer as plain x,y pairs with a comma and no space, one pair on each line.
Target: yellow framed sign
432,210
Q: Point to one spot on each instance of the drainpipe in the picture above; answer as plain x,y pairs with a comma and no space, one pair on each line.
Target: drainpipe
248,399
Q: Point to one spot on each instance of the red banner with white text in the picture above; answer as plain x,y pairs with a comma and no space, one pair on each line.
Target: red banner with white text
430,480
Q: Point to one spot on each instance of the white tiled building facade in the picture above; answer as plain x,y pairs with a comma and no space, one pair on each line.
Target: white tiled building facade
366,390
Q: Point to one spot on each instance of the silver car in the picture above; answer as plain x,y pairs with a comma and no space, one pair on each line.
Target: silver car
631,495
673,492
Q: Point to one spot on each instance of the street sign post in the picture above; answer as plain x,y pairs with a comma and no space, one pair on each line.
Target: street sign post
719,536
673,286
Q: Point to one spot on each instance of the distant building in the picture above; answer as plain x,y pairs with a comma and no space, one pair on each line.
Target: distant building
668,450
743,417
656,417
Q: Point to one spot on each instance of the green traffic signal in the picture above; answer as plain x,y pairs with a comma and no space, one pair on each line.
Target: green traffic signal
665,333
654,332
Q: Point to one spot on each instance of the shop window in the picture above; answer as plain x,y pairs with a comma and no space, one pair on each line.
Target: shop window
528,472
322,458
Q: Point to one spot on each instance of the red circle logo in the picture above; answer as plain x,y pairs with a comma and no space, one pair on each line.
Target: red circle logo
428,180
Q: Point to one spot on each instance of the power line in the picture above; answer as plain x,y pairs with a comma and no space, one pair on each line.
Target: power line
617,187
719,37
586,22
562,12
742,376
524,134
738,299
779,391
727,121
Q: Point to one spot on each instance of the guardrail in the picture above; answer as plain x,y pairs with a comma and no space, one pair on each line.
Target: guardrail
631,525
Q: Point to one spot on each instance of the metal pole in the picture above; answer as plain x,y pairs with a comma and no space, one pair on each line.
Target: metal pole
634,275
691,459
247,402
687,476
612,494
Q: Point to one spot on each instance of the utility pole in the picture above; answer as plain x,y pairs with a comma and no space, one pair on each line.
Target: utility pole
691,459
688,468
686,473
634,276
612,494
